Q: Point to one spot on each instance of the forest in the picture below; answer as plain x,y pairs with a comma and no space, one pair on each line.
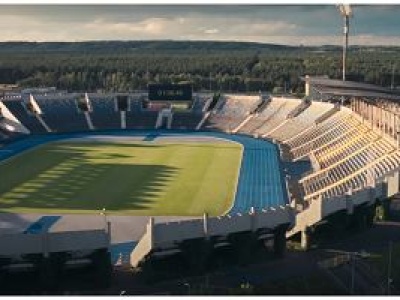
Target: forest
116,66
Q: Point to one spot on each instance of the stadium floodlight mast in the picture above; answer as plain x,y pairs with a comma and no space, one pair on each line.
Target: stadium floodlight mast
346,13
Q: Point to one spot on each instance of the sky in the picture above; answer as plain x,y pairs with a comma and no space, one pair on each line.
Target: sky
284,24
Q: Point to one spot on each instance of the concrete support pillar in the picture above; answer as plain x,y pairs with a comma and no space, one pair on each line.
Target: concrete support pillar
398,131
280,241
349,204
205,226
305,239
307,85
109,233
253,219
150,230
372,116
45,245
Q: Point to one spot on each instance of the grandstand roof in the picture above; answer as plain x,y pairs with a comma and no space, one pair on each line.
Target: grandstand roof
335,87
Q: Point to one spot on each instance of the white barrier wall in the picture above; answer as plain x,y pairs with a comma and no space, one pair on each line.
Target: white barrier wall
224,225
165,235
18,244
77,240
177,231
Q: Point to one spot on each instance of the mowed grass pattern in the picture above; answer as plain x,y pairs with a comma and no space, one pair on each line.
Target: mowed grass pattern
127,178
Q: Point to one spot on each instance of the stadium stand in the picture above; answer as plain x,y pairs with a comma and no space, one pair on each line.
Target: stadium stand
135,103
18,109
346,166
200,103
231,111
273,115
185,120
61,113
317,130
141,120
329,137
301,122
104,114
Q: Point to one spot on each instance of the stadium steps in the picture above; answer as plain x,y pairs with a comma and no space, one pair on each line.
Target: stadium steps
88,120
44,124
201,104
203,120
242,124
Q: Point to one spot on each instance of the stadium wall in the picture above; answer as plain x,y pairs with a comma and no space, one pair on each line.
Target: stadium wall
49,242
48,256
162,236
321,208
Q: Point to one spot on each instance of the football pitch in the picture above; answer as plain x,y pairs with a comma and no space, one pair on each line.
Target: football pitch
124,177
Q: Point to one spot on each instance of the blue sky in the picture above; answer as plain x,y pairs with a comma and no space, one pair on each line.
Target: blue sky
285,24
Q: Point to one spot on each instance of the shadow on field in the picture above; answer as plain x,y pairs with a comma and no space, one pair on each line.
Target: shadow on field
74,180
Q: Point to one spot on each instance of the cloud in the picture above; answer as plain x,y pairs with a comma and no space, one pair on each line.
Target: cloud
151,26
172,27
211,31
293,25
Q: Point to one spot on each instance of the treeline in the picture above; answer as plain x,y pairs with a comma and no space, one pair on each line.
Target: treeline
127,66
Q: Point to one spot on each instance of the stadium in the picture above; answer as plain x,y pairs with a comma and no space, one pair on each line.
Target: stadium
137,179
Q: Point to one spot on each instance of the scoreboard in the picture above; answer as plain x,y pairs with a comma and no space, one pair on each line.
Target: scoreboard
170,92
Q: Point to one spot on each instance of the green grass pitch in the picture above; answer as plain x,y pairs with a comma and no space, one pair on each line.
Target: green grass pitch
126,178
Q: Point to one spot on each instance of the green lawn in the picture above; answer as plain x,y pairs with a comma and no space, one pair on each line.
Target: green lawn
132,178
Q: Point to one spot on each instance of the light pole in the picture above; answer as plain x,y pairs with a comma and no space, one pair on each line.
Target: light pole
389,275
346,13
103,213
392,81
